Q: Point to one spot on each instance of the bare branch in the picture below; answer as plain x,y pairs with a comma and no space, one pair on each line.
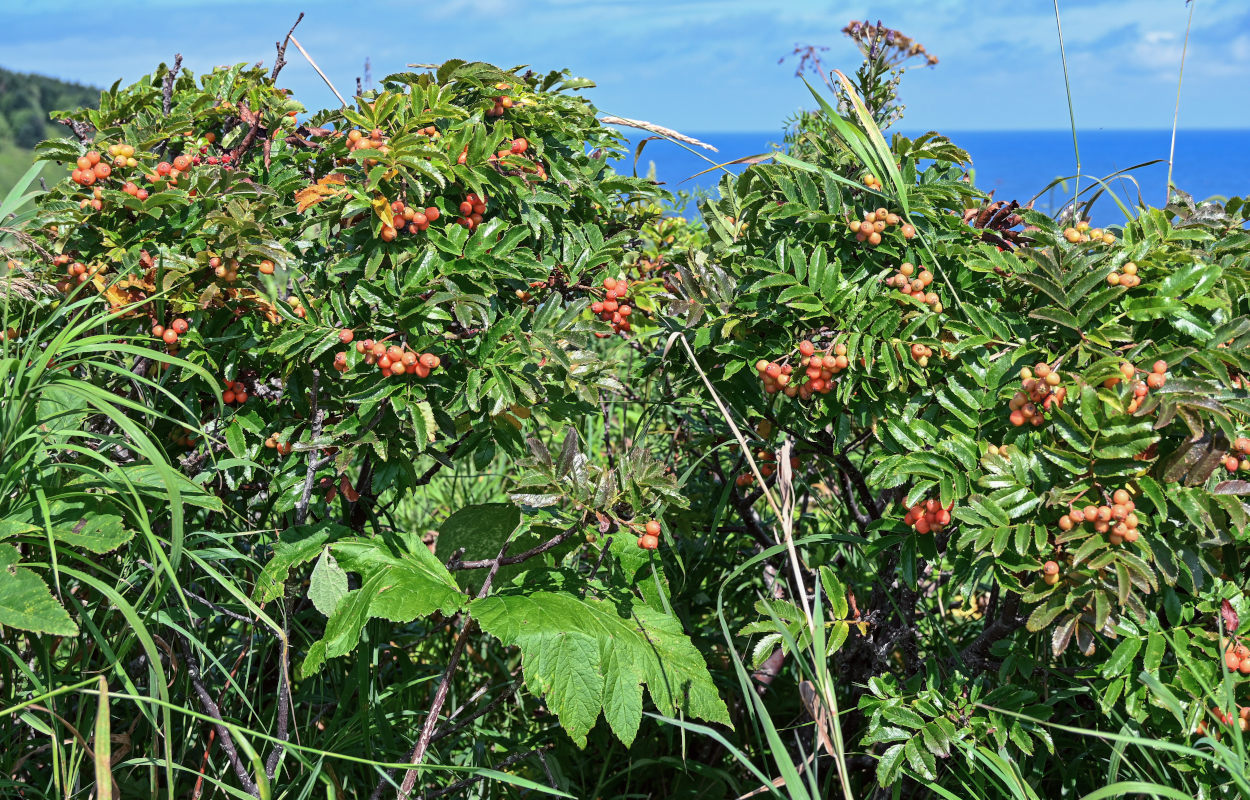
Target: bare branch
167,85
82,130
281,60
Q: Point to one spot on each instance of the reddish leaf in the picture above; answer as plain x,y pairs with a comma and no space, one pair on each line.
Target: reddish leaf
1231,620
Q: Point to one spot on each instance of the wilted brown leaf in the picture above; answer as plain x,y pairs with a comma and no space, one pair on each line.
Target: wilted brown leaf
326,187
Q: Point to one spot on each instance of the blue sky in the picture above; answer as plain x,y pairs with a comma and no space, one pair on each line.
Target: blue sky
697,65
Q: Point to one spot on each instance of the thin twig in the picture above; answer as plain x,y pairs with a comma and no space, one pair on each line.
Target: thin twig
494,563
440,697
607,545
300,47
507,762
281,60
301,506
211,708
283,728
481,712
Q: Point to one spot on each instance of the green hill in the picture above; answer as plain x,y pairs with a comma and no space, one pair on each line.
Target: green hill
25,103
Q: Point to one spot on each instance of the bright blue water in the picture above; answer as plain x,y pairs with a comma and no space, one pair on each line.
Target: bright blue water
1019,164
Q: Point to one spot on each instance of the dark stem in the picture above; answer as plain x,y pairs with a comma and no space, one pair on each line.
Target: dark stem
281,61
493,564
507,762
167,85
462,640
314,462
974,658
210,707
484,710
284,690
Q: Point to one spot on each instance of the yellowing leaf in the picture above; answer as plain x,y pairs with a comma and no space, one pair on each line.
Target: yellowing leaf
382,207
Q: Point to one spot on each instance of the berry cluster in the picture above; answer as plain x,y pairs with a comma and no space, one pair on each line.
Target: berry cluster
1237,658
1039,390
920,354
1241,447
1118,520
819,370
1241,720
407,218
613,308
650,538
518,147
235,393
502,102
357,140
1050,573
182,438
392,360
1126,277
871,181
877,222
76,271
767,461
1156,379
90,168
1083,233
283,448
471,210
909,282
999,450
297,306
928,516
170,335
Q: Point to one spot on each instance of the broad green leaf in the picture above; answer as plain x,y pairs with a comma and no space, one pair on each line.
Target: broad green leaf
26,603
587,656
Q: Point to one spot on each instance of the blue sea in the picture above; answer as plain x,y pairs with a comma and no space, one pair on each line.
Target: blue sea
1018,164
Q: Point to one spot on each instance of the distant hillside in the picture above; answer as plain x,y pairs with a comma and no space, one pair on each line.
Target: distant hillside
25,103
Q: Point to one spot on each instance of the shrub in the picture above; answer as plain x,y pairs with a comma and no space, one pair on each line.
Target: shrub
966,470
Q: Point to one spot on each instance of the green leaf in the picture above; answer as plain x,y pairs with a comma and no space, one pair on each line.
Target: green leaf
26,602
294,547
328,583
888,766
1122,657
399,586
587,656
481,530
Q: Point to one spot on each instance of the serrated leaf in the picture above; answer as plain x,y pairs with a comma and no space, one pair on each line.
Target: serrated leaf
585,658
26,602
